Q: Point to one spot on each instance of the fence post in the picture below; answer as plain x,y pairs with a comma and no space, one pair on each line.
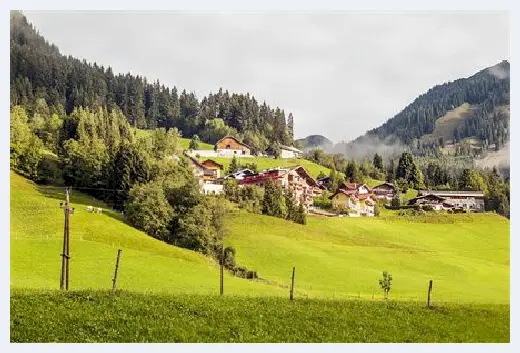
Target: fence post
222,271
291,294
114,280
429,292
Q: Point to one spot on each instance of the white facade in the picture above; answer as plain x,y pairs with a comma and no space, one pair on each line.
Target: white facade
212,189
290,152
218,153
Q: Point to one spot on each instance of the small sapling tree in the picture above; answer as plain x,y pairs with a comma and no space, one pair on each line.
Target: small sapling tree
385,283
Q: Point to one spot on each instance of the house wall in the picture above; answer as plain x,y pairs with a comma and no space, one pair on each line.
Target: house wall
209,189
472,203
231,146
289,154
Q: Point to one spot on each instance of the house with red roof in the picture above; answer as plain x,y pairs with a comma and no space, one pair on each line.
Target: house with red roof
357,199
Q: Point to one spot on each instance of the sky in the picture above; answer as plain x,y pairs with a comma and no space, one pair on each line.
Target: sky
339,73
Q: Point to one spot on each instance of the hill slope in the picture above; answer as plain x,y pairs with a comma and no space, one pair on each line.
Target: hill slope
333,257
146,263
467,256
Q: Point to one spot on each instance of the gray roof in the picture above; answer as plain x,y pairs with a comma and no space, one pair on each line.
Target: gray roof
294,149
452,193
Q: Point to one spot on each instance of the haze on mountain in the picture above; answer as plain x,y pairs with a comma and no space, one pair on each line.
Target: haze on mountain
340,74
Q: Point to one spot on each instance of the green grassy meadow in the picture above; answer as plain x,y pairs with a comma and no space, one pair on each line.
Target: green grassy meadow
88,316
337,261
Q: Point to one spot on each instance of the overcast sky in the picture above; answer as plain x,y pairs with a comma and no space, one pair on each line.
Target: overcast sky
338,73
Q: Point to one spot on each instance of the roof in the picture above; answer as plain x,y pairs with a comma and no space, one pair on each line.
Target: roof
385,184
301,170
234,138
426,196
238,172
354,186
344,192
290,148
451,193
220,166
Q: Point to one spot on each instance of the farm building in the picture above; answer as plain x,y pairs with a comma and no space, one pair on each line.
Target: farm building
207,174
436,202
385,191
468,200
230,145
297,179
290,152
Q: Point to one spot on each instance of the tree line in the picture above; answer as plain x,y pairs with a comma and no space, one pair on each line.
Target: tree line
39,71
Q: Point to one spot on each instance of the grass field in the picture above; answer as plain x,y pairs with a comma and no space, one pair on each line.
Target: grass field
130,317
467,256
337,260
146,264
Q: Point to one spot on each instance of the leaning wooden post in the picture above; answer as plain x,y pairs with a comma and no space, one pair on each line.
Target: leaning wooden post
114,280
291,294
429,292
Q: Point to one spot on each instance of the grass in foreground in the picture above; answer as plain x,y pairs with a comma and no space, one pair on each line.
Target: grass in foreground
51,316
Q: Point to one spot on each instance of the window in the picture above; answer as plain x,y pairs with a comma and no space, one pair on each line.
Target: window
228,147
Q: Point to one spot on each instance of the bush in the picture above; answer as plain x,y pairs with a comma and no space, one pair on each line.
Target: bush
428,208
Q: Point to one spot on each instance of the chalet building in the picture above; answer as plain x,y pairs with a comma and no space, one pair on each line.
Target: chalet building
436,202
355,203
211,170
290,152
230,145
207,174
468,200
385,191
297,179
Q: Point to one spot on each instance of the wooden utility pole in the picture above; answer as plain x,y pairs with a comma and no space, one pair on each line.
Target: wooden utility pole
429,291
291,294
65,254
222,270
114,280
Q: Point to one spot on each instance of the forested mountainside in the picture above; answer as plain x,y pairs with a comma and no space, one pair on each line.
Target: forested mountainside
486,97
40,71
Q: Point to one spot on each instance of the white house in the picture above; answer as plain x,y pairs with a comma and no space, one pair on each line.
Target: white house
290,152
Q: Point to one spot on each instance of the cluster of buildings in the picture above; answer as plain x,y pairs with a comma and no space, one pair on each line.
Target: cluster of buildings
359,199
356,199
211,180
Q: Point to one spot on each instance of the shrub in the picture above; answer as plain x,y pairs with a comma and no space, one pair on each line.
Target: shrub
428,208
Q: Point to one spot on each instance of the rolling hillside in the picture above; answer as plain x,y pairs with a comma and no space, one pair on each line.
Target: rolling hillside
146,264
333,257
